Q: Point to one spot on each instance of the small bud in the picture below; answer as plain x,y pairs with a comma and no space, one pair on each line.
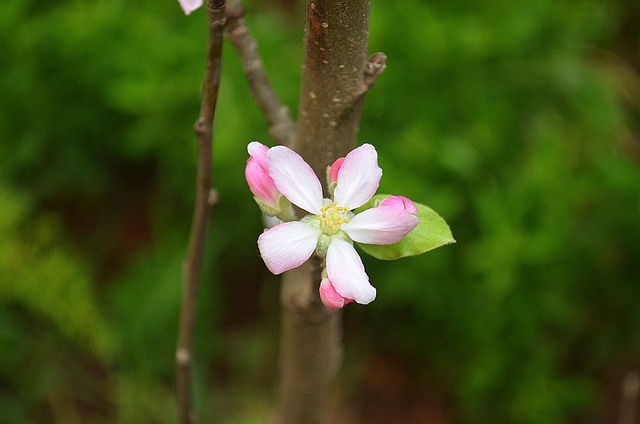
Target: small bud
399,202
335,168
330,297
260,182
332,175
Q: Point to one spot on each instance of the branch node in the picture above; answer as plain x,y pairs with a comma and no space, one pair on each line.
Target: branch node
234,10
219,22
183,357
200,127
212,199
375,66
214,6
216,11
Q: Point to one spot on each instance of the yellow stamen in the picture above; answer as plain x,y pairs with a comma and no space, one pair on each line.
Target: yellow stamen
332,217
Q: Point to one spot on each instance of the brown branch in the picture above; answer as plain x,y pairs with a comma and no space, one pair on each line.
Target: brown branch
336,75
282,128
310,348
333,77
205,199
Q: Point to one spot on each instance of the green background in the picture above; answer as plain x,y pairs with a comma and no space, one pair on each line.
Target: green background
517,121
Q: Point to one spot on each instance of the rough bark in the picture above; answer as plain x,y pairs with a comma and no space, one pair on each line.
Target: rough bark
333,85
310,348
335,77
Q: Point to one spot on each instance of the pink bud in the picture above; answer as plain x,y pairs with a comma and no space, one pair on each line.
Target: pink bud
260,182
330,297
335,168
399,202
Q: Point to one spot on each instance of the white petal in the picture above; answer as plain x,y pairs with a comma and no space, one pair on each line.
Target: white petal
295,179
358,177
190,5
346,272
256,148
381,225
287,246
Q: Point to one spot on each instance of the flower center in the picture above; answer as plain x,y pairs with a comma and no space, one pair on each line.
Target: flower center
332,217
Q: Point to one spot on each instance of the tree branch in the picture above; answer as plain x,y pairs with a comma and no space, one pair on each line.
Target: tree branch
310,348
282,128
333,80
205,199
336,75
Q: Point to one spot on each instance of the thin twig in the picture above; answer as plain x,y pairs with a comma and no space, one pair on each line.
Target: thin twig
205,199
282,127
630,398
375,66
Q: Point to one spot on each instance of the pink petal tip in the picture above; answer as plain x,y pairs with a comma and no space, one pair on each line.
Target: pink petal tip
330,297
400,202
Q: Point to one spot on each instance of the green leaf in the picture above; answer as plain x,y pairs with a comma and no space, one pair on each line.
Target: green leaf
431,232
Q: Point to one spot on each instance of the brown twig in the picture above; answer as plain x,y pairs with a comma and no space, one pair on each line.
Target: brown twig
205,199
282,128
375,66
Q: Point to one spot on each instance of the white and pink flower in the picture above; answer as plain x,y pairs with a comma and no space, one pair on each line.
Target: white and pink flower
331,226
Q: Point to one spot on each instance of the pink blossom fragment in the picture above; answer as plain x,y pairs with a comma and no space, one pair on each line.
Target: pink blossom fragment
189,5
330,297
333,171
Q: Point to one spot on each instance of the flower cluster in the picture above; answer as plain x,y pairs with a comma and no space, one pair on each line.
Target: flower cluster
279,177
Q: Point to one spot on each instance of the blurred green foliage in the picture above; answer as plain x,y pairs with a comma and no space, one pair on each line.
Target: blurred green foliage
517,121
